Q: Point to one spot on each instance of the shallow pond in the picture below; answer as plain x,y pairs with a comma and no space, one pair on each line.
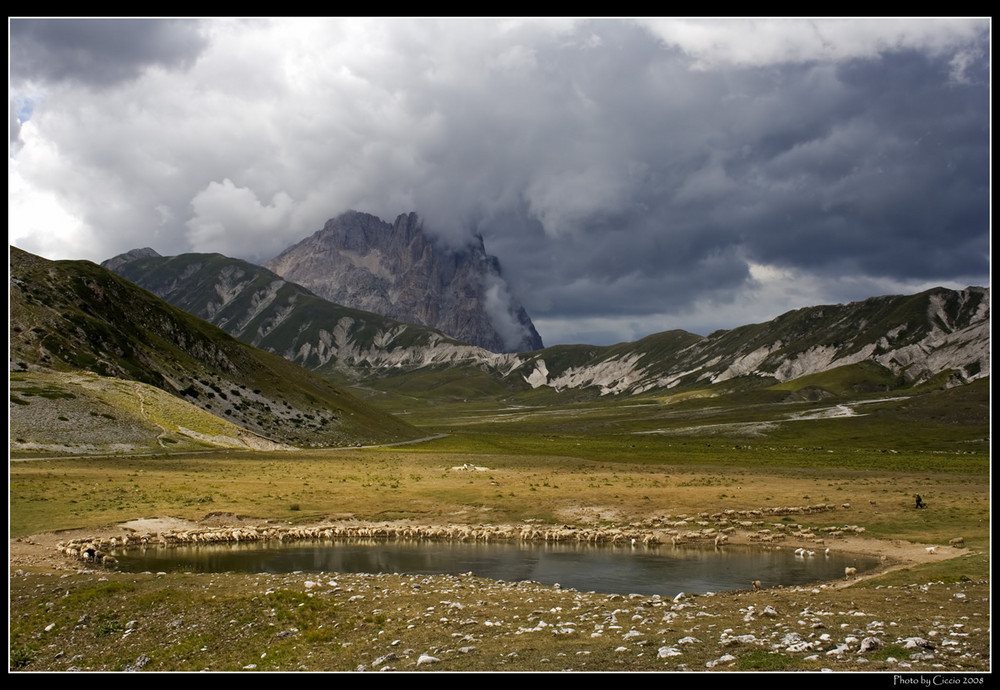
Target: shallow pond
664,570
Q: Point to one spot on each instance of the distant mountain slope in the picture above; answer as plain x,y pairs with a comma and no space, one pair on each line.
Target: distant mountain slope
263,309
76,316
397,270
914,337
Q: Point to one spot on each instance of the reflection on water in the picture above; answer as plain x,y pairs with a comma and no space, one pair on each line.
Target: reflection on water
663,570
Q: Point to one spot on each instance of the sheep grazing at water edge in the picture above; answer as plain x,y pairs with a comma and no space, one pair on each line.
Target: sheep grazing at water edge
850,572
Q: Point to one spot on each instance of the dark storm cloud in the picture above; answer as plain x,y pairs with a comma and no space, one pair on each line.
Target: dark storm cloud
877,167
630,176
99,52
893,186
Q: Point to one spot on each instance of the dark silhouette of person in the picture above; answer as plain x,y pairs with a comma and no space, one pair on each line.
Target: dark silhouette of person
920,501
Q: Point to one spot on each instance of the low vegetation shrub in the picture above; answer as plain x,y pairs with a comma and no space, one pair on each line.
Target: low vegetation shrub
761,660
20,656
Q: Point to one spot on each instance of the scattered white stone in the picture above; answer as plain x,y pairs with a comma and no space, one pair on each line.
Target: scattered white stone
665,652
427,659
870,644
722,659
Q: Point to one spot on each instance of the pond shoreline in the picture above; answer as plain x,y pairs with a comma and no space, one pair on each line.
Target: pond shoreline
48,550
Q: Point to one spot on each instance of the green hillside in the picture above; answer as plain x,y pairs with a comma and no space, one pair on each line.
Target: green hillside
69,316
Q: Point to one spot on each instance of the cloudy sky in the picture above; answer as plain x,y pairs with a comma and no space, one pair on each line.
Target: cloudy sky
632,176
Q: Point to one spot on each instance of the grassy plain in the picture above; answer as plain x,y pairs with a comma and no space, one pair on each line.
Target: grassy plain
589,463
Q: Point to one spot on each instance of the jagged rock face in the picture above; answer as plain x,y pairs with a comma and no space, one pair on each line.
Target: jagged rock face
396,270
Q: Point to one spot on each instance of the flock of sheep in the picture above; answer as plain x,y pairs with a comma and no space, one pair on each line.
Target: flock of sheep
98,550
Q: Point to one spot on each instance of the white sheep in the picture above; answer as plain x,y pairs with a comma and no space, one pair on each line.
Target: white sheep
850,572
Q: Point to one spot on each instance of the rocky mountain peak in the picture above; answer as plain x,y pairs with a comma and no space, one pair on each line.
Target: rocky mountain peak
115,263
400,271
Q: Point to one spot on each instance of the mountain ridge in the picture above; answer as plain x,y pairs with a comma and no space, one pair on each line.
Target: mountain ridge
912,337
266,311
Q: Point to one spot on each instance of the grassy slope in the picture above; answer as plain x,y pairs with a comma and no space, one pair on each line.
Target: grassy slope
86,413
70,316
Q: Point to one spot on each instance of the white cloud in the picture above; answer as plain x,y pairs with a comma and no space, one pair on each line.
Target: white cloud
227,218
757,42
40,220
498,307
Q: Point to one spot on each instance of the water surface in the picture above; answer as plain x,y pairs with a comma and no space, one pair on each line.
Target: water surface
664,570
